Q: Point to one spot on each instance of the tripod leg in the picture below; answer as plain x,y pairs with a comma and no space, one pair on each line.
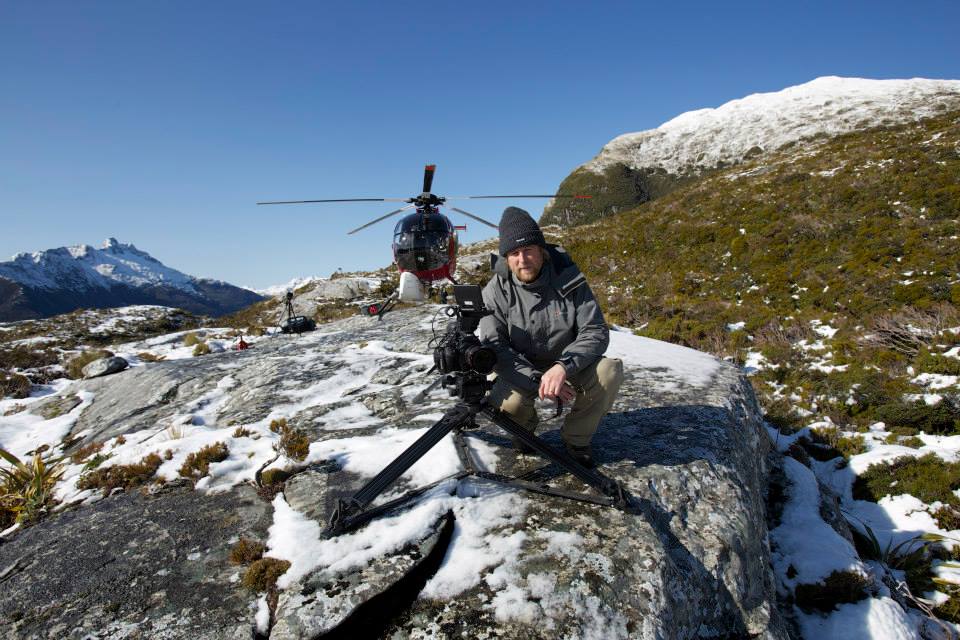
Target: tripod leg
605,485
348,510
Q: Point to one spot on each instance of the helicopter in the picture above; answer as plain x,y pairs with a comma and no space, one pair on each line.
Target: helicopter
424,242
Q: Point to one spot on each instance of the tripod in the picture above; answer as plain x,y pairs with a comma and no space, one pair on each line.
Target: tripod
471,388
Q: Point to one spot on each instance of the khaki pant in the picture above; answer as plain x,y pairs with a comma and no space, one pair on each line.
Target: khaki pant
600,383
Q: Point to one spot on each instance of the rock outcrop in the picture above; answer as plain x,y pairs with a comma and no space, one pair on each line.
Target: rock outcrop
468,558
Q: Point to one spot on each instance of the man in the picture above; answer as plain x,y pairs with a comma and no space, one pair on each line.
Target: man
549,335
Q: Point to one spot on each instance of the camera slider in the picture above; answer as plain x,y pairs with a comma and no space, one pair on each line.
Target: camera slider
355,511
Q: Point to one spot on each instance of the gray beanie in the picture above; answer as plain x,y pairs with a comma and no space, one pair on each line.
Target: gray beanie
518,229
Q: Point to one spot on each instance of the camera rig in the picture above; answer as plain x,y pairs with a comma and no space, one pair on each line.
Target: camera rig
464,364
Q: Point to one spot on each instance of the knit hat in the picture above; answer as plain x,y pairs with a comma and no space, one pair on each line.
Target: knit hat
518,229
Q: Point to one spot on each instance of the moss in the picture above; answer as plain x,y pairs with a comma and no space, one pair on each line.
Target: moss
124,476
840,587
928,478
75,366
246,551
274,477
198,463
262,574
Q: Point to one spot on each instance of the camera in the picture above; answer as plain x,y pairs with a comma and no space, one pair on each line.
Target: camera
459,355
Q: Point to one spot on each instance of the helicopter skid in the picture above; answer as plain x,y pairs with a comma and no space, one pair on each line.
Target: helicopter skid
410,289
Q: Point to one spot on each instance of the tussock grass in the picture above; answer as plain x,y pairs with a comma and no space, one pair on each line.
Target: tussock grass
26,488
14,385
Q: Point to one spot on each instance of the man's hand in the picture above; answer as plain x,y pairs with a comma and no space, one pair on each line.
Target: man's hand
553,385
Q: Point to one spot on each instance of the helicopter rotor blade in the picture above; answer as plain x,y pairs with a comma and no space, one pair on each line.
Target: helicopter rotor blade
339,200
559,195
428,177
477,218
383,217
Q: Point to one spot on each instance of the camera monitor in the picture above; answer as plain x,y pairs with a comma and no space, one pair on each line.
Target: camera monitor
469,297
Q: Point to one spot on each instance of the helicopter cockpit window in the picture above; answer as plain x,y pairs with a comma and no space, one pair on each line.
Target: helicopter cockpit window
421,245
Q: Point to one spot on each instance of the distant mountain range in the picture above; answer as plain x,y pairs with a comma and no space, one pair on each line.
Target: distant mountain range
46,283
637,167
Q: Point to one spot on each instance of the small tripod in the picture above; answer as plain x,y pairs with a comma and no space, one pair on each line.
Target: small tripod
471,387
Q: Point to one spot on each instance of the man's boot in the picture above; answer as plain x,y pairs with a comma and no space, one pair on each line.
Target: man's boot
583,455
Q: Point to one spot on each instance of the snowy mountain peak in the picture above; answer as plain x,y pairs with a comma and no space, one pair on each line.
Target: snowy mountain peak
764,122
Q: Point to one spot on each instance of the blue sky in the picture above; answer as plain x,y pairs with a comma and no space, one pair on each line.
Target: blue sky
162,123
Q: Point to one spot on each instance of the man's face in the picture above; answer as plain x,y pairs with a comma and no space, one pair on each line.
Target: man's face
525,262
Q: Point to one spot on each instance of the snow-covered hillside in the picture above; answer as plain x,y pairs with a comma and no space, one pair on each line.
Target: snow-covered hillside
767,121
59,280
114,262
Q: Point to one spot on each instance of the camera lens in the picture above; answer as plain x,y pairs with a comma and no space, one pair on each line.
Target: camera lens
480,359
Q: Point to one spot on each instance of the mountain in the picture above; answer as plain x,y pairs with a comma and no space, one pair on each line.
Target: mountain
637,167
46,283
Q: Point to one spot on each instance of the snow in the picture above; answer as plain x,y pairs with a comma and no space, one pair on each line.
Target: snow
828,105
675,365
803,540
870,619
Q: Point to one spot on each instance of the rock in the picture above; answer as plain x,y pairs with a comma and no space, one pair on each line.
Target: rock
56,406
301,493
350,599
385,404
104,367
154,564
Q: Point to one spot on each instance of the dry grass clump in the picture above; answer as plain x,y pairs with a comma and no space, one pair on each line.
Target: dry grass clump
14,385
190,339
241,432
197,464
26,489
201,349
293,442
125,476
246,551
75,366
84,452
146,356
262,574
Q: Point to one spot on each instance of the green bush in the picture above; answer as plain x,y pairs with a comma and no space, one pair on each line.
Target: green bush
840,587
927,478
941,418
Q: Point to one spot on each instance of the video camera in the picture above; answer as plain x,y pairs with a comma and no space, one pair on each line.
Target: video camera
459,355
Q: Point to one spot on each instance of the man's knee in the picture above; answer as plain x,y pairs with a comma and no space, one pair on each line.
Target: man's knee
518,404
610,374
